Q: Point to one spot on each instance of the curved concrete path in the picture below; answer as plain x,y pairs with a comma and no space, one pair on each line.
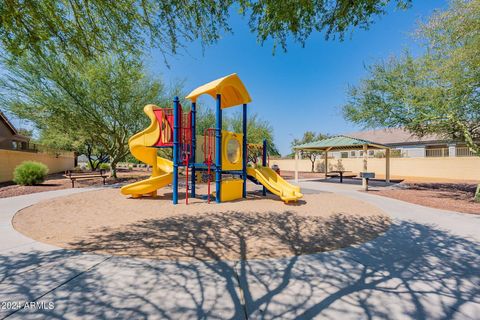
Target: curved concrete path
425,267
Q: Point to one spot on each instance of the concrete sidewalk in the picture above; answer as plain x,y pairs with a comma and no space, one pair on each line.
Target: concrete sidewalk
425,267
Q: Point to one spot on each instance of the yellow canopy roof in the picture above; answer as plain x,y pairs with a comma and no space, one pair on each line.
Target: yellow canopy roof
231,88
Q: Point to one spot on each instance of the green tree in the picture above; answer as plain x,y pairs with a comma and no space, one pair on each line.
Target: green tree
97,101
309,136
72,140
437,92
257,130
87,28
205,119
25,132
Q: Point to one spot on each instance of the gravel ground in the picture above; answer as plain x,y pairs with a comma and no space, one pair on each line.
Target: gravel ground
454,195
448,196
104,221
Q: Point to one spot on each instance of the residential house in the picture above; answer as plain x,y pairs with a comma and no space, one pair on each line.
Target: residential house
406,145
10,139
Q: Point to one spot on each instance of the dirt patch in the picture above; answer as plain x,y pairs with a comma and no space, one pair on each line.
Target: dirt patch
447,196
104,221
56,181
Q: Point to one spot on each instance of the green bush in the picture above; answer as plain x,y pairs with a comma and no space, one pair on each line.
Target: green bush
29,173
104,166
95,164
477,194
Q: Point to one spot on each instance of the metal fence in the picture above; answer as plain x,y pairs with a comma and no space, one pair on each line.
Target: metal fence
437,152
464,152
444,152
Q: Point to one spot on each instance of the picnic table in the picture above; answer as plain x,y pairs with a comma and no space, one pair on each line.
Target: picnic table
341,174
84,176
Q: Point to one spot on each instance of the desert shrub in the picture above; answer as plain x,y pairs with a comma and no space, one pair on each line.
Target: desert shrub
29,173
339,165
95,164
320,166
380,154
104,166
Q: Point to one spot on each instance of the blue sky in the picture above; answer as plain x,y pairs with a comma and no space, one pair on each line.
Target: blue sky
304,88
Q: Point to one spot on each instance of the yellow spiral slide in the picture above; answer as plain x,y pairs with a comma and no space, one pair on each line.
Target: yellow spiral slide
141,148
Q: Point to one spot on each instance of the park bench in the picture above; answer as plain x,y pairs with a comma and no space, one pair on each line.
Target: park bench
85,176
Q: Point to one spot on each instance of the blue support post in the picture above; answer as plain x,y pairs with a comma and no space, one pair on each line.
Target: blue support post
264,162
244,150
176,145
194,147
218,148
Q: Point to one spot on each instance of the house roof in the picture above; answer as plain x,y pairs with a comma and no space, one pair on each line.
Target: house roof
394,136
231,88
10,126
339,143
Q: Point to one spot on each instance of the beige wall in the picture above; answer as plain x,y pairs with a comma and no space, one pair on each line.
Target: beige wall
461,168
9,159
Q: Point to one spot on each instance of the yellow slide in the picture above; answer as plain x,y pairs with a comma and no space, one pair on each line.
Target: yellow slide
141,148
275,184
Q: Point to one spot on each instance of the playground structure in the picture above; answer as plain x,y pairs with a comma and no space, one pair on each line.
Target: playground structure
217,151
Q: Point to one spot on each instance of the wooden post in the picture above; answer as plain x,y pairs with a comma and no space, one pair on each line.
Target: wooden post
296,165
365,164
326,162
387,165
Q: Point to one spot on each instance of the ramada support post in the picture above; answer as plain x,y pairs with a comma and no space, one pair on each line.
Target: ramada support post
387,165
365,163
296,165
325,155
218,149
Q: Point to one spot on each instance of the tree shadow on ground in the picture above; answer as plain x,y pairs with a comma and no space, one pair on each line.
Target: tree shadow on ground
412,271
233,235
454,191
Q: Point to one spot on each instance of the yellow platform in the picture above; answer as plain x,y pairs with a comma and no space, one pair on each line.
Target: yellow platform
231,189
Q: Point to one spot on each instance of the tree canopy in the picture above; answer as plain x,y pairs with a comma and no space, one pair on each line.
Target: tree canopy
257,130
94,102
437,92
309,136
81,27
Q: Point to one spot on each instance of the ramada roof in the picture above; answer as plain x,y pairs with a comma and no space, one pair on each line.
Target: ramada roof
339,143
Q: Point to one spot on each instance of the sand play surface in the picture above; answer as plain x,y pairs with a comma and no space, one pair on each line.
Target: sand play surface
104,221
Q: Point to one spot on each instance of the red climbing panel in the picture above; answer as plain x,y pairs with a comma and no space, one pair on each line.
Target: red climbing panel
165,120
